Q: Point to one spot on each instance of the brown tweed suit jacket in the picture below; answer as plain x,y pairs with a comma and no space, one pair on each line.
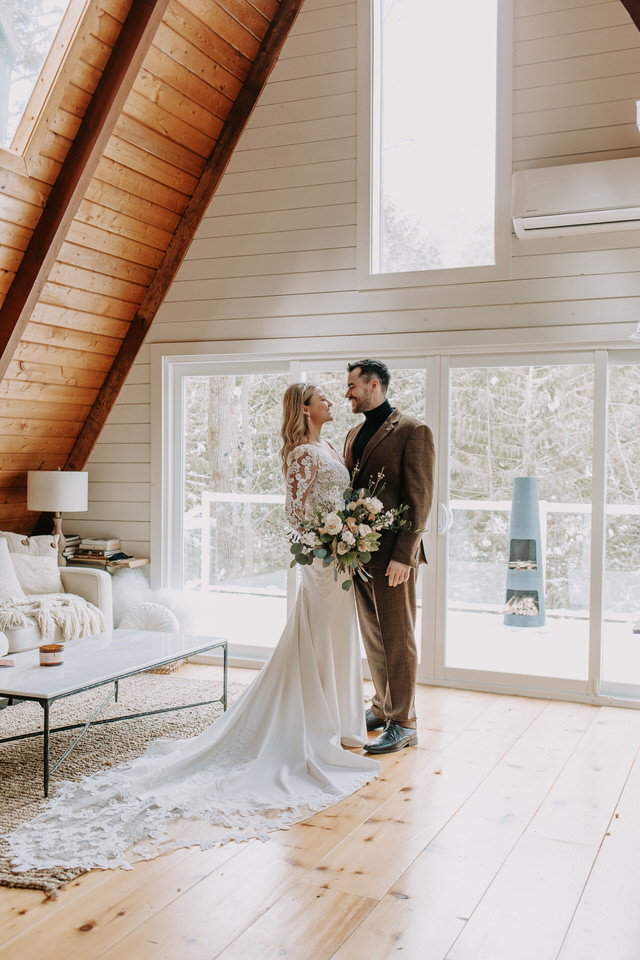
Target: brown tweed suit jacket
402,447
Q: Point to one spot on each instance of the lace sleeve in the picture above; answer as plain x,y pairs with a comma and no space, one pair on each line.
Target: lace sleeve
301,472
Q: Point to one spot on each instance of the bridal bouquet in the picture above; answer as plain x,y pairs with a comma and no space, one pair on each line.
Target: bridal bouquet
345,537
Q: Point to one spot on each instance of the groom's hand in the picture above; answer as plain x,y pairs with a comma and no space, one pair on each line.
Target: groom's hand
398,573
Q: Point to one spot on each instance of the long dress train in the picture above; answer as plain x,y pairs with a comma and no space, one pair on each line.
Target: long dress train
275,757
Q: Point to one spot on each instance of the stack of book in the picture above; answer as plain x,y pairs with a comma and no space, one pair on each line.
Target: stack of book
71,544
98,551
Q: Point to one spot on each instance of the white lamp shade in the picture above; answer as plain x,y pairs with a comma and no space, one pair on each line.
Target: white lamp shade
57,491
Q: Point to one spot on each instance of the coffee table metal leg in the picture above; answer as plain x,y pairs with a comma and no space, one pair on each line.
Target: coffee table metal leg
224,677
45,707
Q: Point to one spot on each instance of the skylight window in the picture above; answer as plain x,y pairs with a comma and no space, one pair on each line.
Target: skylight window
27,33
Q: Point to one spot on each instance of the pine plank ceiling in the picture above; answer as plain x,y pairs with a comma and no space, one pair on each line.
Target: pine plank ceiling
98,212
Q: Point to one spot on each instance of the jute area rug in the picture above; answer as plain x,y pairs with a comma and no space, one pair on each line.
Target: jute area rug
21,789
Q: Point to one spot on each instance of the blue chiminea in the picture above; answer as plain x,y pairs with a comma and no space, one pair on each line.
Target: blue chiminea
525,578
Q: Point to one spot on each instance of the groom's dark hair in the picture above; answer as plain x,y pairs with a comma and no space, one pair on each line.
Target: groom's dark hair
370,369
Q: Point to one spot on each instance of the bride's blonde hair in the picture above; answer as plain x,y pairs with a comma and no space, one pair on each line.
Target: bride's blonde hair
294,425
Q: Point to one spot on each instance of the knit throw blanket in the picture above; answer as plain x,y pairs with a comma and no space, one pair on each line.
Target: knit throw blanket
74,616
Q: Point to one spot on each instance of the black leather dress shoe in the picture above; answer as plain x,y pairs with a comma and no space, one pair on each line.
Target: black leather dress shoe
373,722
394,738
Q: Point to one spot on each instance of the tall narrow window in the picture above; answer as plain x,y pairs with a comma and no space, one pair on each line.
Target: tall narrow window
433,134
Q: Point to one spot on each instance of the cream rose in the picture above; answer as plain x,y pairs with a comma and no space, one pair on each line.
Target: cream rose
332,524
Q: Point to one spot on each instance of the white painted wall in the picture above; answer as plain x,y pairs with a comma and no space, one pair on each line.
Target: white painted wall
275,255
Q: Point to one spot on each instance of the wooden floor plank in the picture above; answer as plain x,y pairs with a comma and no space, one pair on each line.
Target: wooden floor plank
213,925
407,823
441,721
607,920
527,909
87,925
427,907
511,832
216,911
307,923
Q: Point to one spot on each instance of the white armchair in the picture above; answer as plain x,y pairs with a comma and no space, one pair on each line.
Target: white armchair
92,584
88,582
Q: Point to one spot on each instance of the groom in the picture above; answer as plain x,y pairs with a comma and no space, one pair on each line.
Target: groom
403,447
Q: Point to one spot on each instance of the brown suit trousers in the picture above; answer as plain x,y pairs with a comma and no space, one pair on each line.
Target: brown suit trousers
403,449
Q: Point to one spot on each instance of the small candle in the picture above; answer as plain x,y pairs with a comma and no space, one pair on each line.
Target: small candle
52,655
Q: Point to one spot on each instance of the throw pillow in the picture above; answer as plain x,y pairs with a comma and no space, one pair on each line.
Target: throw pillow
9,584
35,560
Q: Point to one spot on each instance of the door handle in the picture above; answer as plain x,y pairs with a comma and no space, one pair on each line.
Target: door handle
444,517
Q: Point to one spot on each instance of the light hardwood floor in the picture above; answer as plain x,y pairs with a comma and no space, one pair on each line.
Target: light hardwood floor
511,833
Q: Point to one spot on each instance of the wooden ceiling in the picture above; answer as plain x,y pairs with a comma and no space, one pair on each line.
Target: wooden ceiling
99,210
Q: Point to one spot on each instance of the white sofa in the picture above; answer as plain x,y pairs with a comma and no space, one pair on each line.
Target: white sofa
88,582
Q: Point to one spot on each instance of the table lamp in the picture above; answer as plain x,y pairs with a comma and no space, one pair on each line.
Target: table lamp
57,491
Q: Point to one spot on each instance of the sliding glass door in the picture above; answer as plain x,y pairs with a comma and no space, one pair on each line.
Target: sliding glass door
533,582
621,594
519,478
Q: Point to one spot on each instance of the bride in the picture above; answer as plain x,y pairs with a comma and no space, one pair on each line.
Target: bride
276,756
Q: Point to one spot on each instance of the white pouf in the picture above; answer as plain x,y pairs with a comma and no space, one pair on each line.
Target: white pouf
150,616
4,644
153,616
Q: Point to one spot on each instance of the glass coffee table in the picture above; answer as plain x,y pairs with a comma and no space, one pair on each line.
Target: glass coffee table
101,660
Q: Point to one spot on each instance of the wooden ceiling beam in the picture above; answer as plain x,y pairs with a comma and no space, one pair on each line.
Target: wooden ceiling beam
633,9
77,170
207,184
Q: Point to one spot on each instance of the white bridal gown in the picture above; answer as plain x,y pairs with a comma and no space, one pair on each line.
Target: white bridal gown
271,760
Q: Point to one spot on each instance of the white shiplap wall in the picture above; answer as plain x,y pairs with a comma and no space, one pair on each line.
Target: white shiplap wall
275,256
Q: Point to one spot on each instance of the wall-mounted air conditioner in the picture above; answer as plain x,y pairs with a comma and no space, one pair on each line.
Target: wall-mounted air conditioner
577,198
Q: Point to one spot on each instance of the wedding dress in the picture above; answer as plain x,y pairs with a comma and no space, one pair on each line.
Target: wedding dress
274,758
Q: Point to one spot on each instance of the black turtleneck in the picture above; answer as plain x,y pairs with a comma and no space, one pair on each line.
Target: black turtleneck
373,419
